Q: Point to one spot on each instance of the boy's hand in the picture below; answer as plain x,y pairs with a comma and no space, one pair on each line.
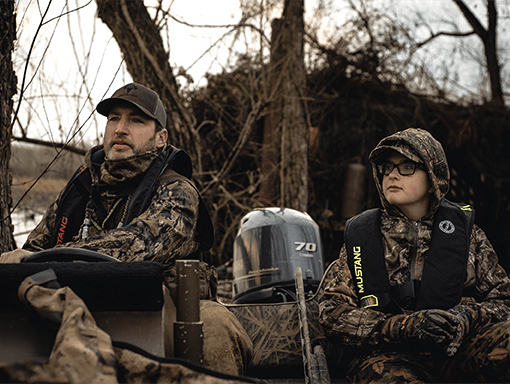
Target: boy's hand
473,315
434,326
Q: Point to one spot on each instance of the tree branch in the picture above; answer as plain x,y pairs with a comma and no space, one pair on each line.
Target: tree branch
472,19
67,147
243,136
230,26
435,35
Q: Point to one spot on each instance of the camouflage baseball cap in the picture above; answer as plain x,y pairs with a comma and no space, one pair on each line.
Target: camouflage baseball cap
140,96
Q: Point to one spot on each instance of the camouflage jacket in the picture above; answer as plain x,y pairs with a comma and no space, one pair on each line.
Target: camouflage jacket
342,317
165,231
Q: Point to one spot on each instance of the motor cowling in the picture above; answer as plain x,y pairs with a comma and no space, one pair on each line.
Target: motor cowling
269,245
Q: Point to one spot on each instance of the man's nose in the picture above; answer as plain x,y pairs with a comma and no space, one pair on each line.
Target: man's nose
121,127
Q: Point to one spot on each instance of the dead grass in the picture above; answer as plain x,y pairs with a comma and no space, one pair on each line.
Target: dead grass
27,163
40,195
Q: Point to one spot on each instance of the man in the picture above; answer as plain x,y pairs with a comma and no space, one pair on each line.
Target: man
418,294
134,200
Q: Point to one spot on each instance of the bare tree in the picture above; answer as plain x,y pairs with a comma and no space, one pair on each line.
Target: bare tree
426,49
7,91
261,88
488,36
284,169
147,61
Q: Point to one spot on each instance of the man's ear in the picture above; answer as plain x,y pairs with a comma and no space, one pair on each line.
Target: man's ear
161,138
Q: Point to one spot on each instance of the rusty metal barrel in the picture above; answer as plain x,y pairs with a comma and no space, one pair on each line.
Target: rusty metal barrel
188,329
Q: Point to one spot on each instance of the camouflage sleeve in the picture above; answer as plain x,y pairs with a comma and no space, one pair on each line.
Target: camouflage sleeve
163,233
340,314
40,238
490,282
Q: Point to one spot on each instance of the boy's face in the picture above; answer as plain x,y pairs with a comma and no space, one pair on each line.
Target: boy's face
410,193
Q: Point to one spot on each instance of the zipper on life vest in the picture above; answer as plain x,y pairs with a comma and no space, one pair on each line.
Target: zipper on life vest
414,251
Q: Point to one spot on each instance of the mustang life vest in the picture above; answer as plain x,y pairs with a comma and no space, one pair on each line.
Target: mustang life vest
79,192
444,269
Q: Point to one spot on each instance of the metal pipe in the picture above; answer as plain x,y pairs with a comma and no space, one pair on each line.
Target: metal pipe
188,329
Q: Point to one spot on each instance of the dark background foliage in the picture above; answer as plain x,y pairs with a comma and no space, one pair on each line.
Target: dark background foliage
351,111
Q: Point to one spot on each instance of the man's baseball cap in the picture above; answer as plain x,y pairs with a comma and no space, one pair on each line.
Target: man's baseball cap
140,96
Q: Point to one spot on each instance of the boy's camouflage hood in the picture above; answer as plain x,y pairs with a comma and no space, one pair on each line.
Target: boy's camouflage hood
417,145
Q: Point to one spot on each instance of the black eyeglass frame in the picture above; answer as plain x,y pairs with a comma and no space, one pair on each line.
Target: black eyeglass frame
380,168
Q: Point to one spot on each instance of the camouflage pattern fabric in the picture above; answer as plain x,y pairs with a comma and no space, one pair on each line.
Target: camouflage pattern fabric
228,348
163,233
393,367
83,353
135,368
485,357
417,145
486,285
274,329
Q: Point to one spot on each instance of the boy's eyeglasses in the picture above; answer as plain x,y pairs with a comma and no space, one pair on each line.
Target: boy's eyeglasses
405,169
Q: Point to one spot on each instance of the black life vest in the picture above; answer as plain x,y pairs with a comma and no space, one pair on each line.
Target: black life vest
78,192
444,271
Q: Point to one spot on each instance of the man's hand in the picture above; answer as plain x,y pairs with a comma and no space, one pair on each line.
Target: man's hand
14,257
435,326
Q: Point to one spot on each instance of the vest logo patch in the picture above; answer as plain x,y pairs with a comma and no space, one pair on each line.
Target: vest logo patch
447,226
62,230
357,269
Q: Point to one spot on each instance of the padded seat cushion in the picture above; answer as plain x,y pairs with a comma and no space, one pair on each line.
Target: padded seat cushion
103,286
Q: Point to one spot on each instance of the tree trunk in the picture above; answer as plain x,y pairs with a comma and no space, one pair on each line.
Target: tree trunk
488,37
491,53
147,61
7,91
284,165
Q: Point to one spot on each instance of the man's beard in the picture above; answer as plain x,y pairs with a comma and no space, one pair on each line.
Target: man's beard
114,155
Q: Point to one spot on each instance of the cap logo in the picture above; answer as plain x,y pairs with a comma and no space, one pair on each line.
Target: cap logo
447,226
130,88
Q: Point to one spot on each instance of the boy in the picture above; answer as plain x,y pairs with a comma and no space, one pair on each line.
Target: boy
418,294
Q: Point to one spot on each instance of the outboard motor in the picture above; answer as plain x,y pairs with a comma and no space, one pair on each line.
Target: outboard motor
270,244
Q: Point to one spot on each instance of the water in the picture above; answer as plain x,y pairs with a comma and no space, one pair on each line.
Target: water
24,222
